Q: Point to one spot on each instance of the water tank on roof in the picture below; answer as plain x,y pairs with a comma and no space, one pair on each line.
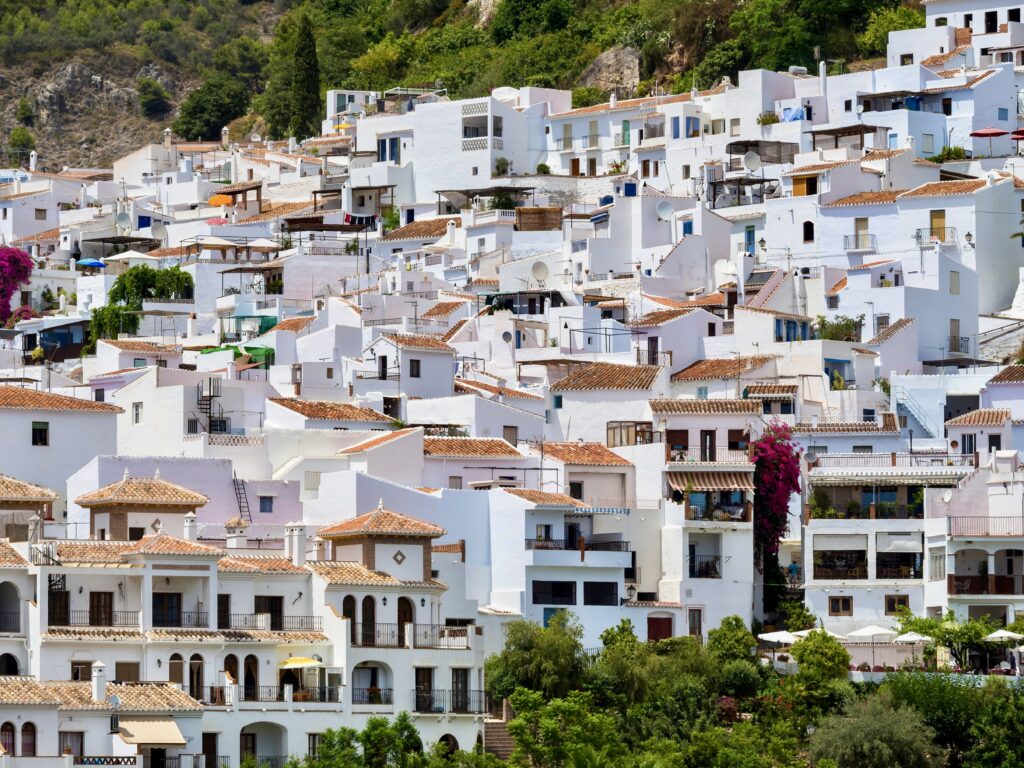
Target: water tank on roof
606,200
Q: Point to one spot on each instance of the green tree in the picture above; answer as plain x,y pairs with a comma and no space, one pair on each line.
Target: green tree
587,96
553,733
110,320
997,728
947,706
821,657
798,618
882,21
385,743
214,104
731,640
546,659
961,638
839,328
305,91
23,113
153,97
244,59
20,143
875,734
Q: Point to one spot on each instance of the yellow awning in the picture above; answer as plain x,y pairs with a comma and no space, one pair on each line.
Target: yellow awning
299,662
151,732
711,481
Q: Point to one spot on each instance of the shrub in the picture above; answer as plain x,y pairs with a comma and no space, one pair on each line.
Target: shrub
543,169
821,657
153,97
501,166
740,679
23,114
731,640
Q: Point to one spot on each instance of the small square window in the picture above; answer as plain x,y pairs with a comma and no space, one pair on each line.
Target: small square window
100,395
330,373
139,362
840,606
557,401
702,393
414,369
266,505
41,212
455,482
40,433
894,602
576,490
476,171
848,105
311,481
868,415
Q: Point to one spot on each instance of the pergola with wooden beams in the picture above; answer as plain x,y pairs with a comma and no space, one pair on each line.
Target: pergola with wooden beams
242,189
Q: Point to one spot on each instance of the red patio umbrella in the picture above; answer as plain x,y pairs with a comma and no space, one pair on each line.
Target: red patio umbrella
988,133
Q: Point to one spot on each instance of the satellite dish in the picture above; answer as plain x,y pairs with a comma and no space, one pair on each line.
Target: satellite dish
506,336
664,211
947,496
123,221
539,270
860,109
159,230
752,162
114,701
810,457
728,268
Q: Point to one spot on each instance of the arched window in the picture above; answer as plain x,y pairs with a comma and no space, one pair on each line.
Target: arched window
940,21
231,666
808,231
195,675
176,669
7,737
28,740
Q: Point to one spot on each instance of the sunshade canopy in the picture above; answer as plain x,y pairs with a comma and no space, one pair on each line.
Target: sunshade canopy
151,731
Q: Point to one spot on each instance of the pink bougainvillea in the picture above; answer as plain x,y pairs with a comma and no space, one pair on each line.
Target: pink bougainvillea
15,270
776,478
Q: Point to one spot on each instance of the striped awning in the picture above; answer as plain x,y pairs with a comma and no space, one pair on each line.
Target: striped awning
711,481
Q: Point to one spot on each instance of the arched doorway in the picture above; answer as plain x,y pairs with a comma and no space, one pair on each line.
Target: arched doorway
251,678
195,675
264,741
406,613
176,669
8,664
450,744
28,740
372,683
348,611
231,666
369,621
7,737
10,608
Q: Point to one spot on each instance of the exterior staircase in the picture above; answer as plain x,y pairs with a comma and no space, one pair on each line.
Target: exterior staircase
497,740
907,405
242,499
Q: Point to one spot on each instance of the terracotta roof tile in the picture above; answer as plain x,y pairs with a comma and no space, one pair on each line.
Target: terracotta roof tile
10,557
659,317
149,491
627,104
585,454
713,299
133,697
941,58
47,235
26,691
131,345
545,498
882,154
819,167
164,544
454,548
772,312
351,574
945,188
92,552
13,490
30,399
418,341
838,287
422,229
258,564
381,522
477,387
469,448
705,407
1011,374
238,187
862,351
888,425
869,265
220,636
892,330
293,324
603,376
721,368
443,308
329,410
276,211
874,197
771,390
983,417
454,330
55,633
374,442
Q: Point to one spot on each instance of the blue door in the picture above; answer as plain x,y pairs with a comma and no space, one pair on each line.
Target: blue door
549,613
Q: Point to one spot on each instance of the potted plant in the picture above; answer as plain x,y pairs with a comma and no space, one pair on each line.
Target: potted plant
373,694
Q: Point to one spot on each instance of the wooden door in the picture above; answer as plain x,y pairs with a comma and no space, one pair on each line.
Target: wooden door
223,612
460,690
210,750
101,609
659,628
59,607
405,616
274,605
937,221
860,229
574,167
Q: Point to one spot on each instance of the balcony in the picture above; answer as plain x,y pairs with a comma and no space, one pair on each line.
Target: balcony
93,619
261,692
647,357
452,702
372,696
576,546
704,512
320,695
867,460
211,695
860,242
710,455
706,567
984,585
440,636
272,622
898,565
935,235
482,143
982,525
181,619
564,144
959,345
378,635
10,621
592,141
840,571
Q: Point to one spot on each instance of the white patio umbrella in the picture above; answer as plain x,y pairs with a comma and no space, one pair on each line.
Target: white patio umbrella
1002,636
913,638
782,637
806,632
870,632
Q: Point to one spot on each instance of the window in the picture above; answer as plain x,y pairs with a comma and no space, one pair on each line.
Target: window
70,742
313,744
557,401
136,413
1003,114
139,362
868,415
906,59
28,740
100,395
881,322
266,505
476,171
734,126
832,302
330,373
675,128
455,482
862,449
894,602
554,593
645,169
311,481
576,490
808,231
126,671
510,435
927,143
1013,14
81,670
954,282
848,105
600,593
805,185
702,393
41,212
414,369
136,534
40,433
7,738
840,606
785,407
766,406
686,171
192,427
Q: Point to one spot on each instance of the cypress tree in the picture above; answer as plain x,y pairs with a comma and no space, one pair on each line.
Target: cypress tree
305,99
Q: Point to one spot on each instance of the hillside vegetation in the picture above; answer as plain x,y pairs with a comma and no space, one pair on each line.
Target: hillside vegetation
246,52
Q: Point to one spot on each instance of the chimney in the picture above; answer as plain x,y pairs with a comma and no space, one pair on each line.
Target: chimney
234,533
291,145
167,139
613,100
99,682
295,543
191,526
33,158
823,81
224,137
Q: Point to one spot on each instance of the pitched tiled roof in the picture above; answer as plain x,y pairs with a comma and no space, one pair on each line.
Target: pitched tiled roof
946,188
889,424
13,490
705,407
373,442
24,691
293,324
422,229
454,330
133,697
721,368
626,104
329,410
862,351
257,564
869,265
770,390
1011,374
892,330
601,376
714,299
30,399
93,634
92,552
772,312
350,574
469,447
240,186
381,522
164,544
941,58
658,317
479,386
40,237
418,341
143,491
876,197
10,557
443,309
544,498
221,636
882,154
819,167
585,454
839,286
148,347
276,211
982,417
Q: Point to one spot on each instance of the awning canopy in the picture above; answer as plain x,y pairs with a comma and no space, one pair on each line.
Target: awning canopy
711,481
899,542
151,732
840,542
299,662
